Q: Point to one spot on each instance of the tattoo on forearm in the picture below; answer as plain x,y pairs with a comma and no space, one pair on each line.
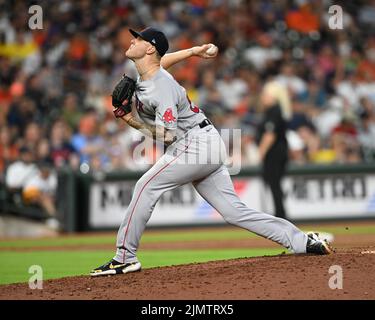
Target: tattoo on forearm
142,127
151,131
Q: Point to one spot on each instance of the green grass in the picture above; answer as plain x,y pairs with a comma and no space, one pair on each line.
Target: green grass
168,236
14,266
48,242
163,236
148,237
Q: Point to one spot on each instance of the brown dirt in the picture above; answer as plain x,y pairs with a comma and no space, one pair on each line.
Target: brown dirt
278,277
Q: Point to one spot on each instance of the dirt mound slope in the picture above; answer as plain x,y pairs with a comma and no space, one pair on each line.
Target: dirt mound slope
271,277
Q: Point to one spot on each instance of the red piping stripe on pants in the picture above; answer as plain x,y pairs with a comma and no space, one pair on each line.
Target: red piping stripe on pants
131,215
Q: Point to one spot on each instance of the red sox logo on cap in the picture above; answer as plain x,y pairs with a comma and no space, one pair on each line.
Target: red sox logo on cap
168,116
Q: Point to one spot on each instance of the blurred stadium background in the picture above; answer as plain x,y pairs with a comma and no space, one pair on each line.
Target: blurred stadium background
67,164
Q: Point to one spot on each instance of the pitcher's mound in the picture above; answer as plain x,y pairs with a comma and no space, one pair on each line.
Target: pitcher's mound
271,277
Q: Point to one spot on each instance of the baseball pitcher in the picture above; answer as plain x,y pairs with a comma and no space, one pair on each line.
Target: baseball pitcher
195,153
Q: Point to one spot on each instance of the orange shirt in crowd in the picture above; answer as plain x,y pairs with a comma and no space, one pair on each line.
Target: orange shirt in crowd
366,70
5,97
302,20
39,37
78,48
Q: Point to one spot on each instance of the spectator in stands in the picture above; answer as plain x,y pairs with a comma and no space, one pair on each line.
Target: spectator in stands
315,95
313,151
231,89
296,148
61,148
33,90
366,67
76,59
43,150
40,190
32,136
303,18
19,173
87,142
349,89
289,78
209,98
21,112
8,149
249,148
263,52
71,113
162,22
345,140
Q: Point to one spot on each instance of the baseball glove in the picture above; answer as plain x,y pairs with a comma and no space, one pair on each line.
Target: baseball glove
122,96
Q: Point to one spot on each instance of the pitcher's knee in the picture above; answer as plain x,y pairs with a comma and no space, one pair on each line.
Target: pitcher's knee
144,182
148,189
138,187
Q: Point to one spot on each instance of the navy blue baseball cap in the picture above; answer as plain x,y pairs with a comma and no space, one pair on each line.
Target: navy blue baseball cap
155,37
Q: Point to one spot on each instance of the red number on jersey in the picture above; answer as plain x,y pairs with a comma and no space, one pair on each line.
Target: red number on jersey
195,109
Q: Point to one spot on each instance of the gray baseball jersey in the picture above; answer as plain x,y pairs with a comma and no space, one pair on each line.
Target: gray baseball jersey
162,101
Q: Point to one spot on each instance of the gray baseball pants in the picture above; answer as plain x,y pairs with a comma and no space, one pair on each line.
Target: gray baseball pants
191,160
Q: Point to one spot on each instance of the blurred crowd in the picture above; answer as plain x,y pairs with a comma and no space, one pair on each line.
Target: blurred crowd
55,83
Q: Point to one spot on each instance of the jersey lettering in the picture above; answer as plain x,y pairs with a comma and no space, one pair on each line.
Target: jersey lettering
138,104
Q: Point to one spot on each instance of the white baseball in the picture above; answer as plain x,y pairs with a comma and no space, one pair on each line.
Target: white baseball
212,50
